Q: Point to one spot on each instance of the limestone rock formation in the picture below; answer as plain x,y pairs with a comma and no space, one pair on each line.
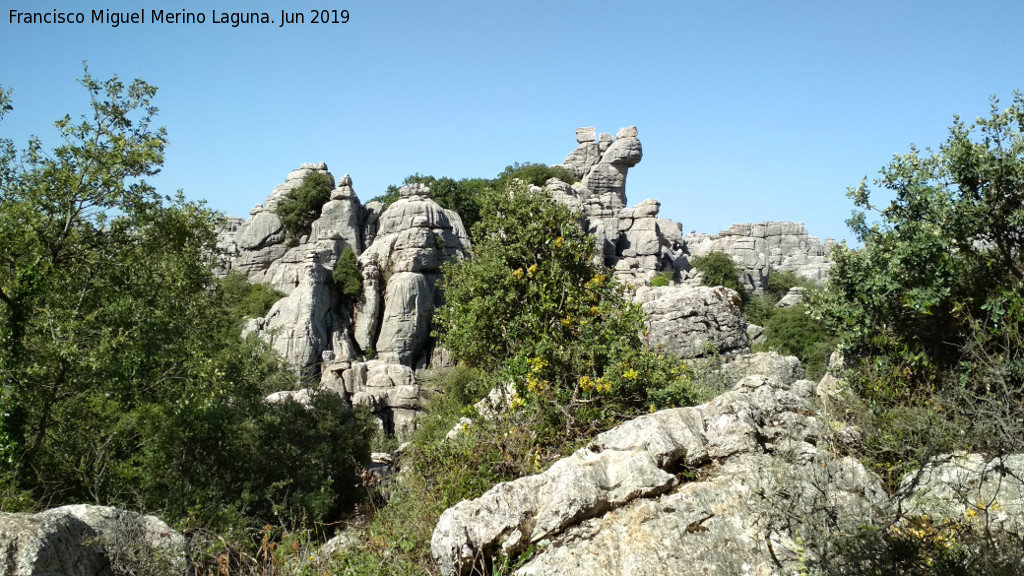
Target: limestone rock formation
80,540
400,252
966,486
685,491
306,323
684,321
389,389
414,237
759,248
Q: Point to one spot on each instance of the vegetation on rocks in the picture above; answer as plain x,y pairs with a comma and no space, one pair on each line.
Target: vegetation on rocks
462,195
302,205
531,306
718,269
348,279
125,380
929,312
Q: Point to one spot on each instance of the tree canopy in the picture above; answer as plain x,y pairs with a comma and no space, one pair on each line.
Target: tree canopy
946,250
124,378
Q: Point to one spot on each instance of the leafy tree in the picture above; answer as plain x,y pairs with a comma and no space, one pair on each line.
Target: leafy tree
347,276
534,174
462,196
718,269
124,379
531,305
946,250
302,205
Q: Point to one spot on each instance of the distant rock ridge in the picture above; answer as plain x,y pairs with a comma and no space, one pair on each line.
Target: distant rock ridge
759,248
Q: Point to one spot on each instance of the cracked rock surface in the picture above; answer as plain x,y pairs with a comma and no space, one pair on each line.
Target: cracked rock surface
690,490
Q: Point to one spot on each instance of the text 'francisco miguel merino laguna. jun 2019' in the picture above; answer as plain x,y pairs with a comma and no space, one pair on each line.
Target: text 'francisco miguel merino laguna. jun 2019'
142,16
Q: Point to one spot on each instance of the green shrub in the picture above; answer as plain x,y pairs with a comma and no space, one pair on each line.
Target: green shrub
533,174
663,278
793,331
718,269
780,282
243,299
760,309
462,196
531,307
302,205
348,279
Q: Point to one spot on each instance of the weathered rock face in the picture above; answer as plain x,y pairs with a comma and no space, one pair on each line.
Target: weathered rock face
684,321
390,390
681,491
633,242
759,248
414,238
401,251
969,486
81,540
307,322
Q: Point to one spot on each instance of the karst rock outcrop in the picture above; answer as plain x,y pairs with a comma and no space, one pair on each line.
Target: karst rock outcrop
697,490
400,253
400,250
761,248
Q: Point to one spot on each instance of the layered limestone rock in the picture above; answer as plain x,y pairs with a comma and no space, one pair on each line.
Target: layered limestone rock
82,540
390,390
307,322
415,236
633,242
690,321
698,490
400,252
761,248
260,249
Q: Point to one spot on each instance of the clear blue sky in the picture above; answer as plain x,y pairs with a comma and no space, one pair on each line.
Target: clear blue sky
747,111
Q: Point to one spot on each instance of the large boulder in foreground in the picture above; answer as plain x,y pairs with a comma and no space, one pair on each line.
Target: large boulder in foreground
81,540
697,490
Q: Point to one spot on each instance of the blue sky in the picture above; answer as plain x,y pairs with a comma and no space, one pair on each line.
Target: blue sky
747,111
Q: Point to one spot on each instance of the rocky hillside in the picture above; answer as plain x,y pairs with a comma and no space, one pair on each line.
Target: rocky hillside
368,351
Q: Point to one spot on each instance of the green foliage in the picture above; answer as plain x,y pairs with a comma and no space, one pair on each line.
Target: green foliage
718,269
532,174
462,196
792,331
759,309
947,249
302,205
125,381
243,299
663,278
457,195
531,307
780,282
348,279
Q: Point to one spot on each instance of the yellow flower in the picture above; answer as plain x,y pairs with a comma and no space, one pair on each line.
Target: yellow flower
532,270
517,274
586,383
630,374
559,241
